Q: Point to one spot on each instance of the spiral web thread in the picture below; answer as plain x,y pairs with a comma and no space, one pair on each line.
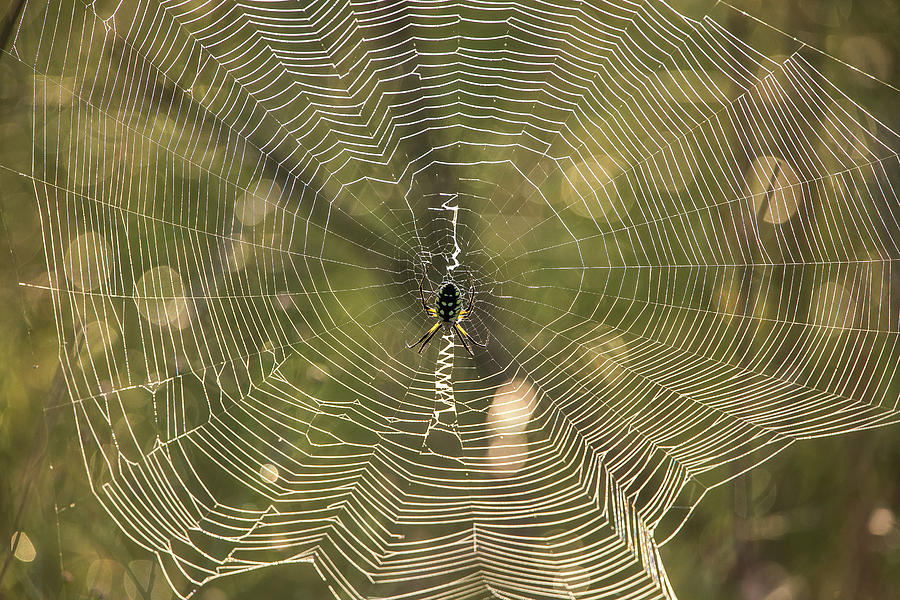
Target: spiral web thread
684,254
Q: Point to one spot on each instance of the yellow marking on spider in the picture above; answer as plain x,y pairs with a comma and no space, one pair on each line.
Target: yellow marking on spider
463,331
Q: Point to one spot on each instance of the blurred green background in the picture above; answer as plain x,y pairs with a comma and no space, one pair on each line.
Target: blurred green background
816,522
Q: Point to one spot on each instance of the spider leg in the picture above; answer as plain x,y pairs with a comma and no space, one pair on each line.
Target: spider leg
422,292
470,338
433,332
462,338
471,306
423,340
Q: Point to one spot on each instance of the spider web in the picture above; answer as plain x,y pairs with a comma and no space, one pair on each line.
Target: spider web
683,253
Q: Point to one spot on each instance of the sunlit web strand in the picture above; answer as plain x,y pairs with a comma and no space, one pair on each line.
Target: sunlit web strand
682,250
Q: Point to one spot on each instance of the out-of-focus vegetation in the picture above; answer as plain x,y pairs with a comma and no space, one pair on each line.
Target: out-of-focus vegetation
817,522
821,520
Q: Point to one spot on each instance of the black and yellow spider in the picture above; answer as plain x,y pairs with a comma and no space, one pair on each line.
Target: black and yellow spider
450,312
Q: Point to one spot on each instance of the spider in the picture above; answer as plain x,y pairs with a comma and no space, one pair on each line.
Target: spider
450,312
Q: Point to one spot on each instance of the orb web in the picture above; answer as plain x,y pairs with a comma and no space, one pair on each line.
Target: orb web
682,251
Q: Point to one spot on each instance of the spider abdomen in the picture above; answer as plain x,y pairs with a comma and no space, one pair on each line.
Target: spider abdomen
448,307
448,302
